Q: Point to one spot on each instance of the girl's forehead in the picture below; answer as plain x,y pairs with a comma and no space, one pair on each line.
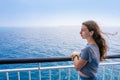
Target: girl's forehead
83,27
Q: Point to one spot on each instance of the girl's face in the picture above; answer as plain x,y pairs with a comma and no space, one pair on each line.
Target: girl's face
85,33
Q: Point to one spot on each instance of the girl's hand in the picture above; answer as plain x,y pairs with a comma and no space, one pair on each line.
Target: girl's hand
74,54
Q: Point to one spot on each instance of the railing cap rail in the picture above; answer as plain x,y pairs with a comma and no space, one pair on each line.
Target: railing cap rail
41,60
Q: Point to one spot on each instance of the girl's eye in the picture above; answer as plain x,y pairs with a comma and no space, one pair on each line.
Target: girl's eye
82,30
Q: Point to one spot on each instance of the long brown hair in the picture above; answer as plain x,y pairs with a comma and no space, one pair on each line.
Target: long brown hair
100,41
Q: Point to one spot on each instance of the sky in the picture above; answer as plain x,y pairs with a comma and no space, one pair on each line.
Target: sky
39,13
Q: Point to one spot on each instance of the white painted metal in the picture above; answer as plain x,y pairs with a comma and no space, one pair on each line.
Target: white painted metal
54,67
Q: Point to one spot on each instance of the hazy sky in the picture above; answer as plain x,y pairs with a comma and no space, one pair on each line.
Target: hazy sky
58,12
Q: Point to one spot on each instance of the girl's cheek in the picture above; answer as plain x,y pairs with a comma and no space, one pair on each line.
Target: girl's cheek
86,33
83,33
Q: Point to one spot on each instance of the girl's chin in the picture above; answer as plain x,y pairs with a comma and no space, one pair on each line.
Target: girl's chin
83,38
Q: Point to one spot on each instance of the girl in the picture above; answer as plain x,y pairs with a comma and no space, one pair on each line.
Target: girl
87,61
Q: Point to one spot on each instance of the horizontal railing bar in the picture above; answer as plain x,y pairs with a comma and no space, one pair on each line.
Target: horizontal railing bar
113,56
34,60
36,68
19,69
109,63
53,67
41,60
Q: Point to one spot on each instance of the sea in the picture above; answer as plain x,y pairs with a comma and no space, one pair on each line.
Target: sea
48,42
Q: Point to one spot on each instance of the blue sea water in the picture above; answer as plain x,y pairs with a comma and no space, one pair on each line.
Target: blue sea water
21,42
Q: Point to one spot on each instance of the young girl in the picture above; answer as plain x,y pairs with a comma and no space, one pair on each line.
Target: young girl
87,61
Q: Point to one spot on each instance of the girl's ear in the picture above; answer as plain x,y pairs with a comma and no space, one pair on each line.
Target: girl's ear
91,33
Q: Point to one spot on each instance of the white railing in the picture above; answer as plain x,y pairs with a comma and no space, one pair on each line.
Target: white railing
104,67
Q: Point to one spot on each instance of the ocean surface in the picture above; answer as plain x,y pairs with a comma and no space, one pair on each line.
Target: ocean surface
25,42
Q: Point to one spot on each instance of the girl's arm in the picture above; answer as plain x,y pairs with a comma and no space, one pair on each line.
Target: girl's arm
78,62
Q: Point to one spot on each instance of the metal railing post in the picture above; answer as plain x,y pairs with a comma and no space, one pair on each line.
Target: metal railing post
68,73
18,75
59,74
39,71
104,68
29,73
7,75
111,78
